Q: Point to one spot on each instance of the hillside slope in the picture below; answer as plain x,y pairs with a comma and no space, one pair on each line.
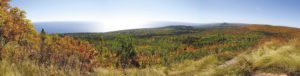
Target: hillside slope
173,44
271,59
248,50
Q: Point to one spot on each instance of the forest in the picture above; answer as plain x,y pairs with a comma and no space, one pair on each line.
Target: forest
179,50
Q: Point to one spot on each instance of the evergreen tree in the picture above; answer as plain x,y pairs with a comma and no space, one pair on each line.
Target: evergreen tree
43,35
126,53
43,52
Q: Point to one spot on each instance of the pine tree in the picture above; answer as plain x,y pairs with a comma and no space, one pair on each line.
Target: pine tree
43,52
43,35
126,53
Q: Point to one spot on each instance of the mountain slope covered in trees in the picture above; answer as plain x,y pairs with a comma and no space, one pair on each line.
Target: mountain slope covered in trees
173,44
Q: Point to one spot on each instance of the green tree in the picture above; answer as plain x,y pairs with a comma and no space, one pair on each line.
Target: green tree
43,35
126,53
43,51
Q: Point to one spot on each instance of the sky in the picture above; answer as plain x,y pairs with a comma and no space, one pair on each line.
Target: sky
135,13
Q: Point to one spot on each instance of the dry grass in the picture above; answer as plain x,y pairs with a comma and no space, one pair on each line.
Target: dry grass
187,68
28,68
270,58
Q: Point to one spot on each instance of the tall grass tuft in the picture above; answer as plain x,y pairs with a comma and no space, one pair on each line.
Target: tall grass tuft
28,68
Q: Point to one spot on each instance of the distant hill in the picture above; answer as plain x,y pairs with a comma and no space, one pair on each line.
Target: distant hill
172,27
170,23
79,27
93,27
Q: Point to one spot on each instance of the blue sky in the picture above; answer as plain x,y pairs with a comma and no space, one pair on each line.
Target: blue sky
138,12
